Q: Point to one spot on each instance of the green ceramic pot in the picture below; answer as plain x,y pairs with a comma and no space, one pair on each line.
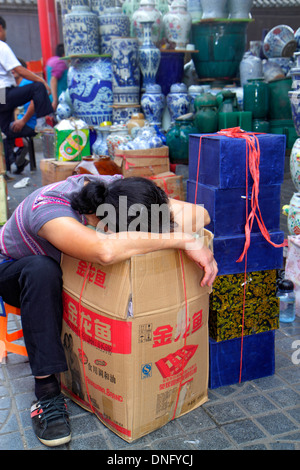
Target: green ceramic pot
221,46
260,125
280,106
177,139
256,98
206,117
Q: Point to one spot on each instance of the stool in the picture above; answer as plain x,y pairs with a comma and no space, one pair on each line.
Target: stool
31,153
6,339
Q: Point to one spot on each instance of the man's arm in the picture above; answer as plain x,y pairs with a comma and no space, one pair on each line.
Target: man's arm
25,73
53,86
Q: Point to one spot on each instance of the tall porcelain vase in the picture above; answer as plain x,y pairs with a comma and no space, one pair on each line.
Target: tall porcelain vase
177,23
90,87
149,56
126,71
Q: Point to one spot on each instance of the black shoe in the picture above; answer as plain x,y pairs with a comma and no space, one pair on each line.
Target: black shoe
50,420
20,168
20,155
8,178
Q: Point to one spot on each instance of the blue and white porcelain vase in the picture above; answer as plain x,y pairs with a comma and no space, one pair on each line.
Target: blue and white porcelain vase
126,71
147,12
90,87
177,23
98,6
149,56
122,113
178,102
112,23
193,92
153,103
81,31
99,147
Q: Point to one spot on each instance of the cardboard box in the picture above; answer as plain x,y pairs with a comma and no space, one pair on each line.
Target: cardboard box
223,160
3,201
172,184
53,171
227,299
227,207
261,255
225,358
147,162
2,156
134,362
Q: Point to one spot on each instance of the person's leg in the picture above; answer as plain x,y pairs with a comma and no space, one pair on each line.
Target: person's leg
34,284
36,91
20,159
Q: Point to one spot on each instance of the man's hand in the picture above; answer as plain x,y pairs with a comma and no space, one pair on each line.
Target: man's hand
204,257
17,125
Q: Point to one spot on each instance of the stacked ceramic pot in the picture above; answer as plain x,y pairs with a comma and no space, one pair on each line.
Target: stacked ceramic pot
89,74
126,78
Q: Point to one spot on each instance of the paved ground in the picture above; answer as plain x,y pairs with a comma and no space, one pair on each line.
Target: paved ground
259,414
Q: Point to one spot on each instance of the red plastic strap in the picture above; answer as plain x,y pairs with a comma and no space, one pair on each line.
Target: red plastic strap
186,325
81,339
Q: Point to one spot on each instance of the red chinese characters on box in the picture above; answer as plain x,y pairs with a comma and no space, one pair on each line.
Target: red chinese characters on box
95,276
105,333
163,334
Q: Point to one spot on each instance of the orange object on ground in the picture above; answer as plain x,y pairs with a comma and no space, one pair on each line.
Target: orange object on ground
6,339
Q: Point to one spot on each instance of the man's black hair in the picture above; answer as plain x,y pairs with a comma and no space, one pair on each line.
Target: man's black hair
2,22
60,50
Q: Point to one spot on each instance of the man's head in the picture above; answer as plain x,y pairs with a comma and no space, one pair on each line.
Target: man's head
2,29
60,50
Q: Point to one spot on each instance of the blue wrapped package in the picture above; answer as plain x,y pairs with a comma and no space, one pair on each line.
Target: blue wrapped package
227,207
225,356
261,254
223,160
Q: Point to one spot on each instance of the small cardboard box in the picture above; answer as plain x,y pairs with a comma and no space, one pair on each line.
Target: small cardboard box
137,349
172,184
53,171
227,299
147,162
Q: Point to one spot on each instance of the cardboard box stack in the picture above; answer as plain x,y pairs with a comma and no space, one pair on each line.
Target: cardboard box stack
221,187
3,185
140,162
136,339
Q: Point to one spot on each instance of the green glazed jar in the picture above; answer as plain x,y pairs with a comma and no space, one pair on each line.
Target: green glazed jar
206,118
256,98
260,125
177,139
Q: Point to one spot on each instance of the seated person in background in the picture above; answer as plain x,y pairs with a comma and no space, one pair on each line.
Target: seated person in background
23,126
57,71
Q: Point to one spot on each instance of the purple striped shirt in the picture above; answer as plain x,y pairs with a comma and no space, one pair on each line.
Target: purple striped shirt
19,236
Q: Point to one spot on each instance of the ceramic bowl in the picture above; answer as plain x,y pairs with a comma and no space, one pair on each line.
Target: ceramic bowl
285,63
294,97
280,42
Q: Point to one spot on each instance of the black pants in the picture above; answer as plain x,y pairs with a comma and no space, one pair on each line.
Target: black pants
34,284
18,96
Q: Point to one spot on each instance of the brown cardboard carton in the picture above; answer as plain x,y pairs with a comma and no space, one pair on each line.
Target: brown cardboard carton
147,162
137,348
172,184
53,170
